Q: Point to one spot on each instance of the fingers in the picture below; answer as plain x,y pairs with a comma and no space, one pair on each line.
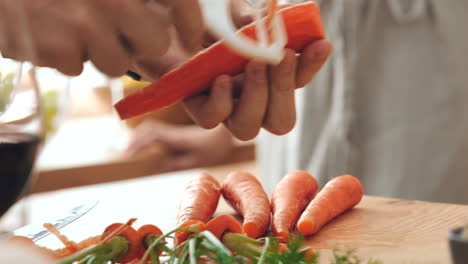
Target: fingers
104,49
187,17
242,13
144,32
247,117
65,56
281,113
152,69
311,61
210,110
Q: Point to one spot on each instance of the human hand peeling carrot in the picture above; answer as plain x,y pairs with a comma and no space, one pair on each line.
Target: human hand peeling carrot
263,96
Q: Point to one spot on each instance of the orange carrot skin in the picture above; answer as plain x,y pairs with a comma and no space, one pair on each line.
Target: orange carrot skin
223,223
199,199
289,199
246,195
134,245
303,26
338,195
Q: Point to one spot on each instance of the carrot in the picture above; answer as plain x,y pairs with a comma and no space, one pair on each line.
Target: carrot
340,194
223,223
180,236
144,232
282,247
130,234
198,203
289,199
246,195
303,26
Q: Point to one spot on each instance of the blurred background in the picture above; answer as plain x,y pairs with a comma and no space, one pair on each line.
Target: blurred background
86,143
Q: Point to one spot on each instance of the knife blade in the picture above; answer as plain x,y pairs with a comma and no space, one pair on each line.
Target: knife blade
37,231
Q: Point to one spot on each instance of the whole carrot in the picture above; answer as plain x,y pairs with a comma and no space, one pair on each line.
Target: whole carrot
303,26
246,195
340,194
199,200
289,199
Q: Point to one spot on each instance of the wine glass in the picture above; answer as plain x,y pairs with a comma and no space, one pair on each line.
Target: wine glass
55,95
21,132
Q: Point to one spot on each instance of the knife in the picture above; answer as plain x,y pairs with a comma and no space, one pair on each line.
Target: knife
37,231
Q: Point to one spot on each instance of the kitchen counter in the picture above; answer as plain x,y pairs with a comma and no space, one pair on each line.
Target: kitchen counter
392,230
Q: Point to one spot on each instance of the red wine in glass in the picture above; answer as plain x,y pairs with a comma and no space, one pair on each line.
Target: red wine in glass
17,155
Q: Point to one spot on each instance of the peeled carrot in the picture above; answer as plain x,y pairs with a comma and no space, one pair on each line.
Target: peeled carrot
132,237
223,223
340,194
289,199
246,195
303,26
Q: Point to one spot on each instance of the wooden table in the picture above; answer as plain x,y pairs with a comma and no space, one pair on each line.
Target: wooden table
394,231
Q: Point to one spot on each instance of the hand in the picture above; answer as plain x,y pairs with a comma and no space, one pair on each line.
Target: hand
187,146
262,97
112,34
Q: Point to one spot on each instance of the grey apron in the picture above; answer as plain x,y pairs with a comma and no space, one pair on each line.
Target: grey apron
390,106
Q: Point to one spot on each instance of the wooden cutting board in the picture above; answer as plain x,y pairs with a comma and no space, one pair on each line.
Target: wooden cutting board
394,231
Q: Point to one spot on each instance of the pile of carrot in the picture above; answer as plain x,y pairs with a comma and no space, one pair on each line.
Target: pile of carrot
295,204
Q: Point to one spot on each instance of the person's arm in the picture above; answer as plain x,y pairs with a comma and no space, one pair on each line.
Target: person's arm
63,34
